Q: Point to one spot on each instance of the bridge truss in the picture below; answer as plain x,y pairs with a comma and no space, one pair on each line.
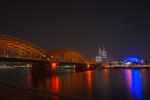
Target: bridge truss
17,48
68,55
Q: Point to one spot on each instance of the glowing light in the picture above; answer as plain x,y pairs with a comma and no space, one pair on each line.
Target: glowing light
53,64
55,84
128,77
89,80
74,66
133,60
88,66
137,89
134,83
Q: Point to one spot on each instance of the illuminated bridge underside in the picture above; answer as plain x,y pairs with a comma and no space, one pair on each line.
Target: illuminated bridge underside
68,55
13,47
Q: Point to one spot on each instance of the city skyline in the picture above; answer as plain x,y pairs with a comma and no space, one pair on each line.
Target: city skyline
122,26
74,50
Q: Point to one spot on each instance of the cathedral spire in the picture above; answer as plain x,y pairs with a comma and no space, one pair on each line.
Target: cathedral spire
102,55
100,51
103,48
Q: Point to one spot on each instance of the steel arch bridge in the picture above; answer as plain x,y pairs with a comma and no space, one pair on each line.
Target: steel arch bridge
68,55
16,48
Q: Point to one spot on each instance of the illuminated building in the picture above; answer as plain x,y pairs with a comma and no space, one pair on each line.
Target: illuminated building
99,57
102,55
133,60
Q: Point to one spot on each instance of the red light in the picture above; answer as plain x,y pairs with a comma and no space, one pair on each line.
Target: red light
55,84
53,64
88,66
74,66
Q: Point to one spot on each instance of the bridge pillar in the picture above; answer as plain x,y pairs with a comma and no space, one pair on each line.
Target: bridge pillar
40,69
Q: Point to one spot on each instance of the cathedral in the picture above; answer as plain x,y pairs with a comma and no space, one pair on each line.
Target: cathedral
102,55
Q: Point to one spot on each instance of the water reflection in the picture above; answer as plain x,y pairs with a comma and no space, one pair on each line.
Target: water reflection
137,82
89,82
134,83
69,84
106,79
128,79
102,84
54,84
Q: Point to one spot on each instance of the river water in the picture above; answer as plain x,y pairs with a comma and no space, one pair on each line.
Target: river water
102,84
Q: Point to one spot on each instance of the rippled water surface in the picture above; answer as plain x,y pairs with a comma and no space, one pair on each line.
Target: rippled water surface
120,84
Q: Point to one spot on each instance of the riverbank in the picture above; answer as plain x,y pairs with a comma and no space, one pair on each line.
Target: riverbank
11,93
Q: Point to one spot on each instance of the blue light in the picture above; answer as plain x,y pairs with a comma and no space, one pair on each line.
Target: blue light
133,80
133,60
137,84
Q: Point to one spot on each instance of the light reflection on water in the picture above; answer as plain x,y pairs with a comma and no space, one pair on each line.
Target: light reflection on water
137,84
54,84
121,84
105,73
89,82
134,83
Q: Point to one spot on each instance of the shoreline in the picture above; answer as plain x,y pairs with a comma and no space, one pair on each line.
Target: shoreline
11,93
14,92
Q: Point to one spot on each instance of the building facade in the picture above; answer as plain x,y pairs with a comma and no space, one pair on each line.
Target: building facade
102,55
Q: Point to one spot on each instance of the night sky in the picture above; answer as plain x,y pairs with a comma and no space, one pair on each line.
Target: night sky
122,26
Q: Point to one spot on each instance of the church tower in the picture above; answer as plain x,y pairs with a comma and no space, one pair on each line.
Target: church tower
102,55
99,56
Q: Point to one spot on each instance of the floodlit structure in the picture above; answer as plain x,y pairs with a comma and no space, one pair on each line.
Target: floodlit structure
133,60
13,47
102,55
17,48
68,55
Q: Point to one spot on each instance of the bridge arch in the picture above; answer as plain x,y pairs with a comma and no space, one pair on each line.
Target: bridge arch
14,47
68,55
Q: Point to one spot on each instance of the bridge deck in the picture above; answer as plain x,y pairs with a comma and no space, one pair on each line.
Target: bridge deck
7,59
